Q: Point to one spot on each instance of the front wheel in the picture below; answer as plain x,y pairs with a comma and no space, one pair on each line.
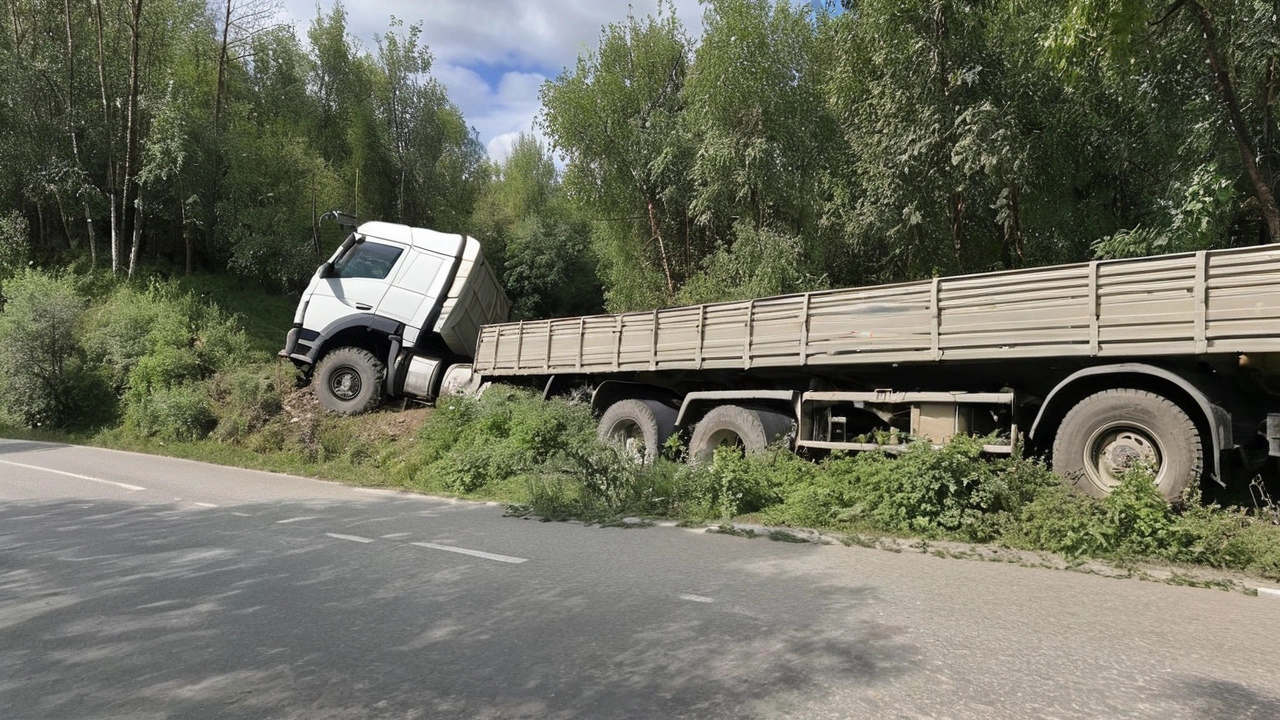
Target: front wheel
348,380
1110,432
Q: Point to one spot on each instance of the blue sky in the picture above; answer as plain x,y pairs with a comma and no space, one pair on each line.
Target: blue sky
494,55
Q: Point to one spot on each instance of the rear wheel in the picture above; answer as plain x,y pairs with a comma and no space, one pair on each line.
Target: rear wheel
1110,432
737,426
638,426
348,380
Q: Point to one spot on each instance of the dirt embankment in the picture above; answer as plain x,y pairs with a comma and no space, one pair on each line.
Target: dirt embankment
393,420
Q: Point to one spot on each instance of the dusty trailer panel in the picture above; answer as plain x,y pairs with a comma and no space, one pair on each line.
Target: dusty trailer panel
1168,361
1210,302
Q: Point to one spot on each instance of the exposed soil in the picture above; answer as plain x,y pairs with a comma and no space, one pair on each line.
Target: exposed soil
393,419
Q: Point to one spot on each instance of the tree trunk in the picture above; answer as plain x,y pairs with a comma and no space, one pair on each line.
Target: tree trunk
128,204
137,237
62,217
662,252
111,156
115,227
93,243
71,132
186,238
222,69
1261,186
957,224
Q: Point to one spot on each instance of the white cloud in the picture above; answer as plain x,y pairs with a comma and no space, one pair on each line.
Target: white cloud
516,44
543,34
500,146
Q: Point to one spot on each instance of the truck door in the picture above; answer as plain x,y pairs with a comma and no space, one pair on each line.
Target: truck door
356,283
415,289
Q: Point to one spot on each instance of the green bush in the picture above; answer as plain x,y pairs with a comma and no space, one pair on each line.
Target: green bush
246,399
44,380
1138,522
159,337
735,483
1062,520
154,345
470,443
181,413
953,492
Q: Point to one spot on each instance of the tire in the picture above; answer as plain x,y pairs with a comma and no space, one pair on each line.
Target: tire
1107,432
638,426
349,380
734,425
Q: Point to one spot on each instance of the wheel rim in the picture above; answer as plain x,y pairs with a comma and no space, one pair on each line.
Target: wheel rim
627,435
344,383
1114,449
723,437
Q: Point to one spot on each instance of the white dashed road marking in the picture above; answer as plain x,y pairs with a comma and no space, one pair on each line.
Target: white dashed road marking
126,486
473,553
696,598
298,519
353,538
208,505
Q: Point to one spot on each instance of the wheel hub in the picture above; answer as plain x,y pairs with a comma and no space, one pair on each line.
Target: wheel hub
629,437
345,384
1114,451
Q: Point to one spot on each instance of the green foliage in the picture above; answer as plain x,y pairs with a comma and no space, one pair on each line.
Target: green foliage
535,238
14,243
160,338
1138,519
1197,218
172,412
43,376
246,399
953,492
616,116
468,443
759,263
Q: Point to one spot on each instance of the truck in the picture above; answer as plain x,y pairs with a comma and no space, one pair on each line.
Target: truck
1168,361
395,311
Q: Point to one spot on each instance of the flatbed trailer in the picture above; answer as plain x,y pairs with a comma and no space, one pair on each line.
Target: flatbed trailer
1166,360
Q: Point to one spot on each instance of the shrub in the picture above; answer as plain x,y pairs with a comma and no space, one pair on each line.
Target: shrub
246,399
43,376
159,342
1062,520
159,337
952,492
172,413
1139,522
469,443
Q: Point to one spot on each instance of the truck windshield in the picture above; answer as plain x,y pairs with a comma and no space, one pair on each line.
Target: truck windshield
367,260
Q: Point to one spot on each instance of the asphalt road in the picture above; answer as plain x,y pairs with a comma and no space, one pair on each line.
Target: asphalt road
142,587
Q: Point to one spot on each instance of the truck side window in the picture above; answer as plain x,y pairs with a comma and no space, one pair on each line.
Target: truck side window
367,260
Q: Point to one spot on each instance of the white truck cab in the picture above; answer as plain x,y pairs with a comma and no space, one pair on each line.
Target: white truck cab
396,310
